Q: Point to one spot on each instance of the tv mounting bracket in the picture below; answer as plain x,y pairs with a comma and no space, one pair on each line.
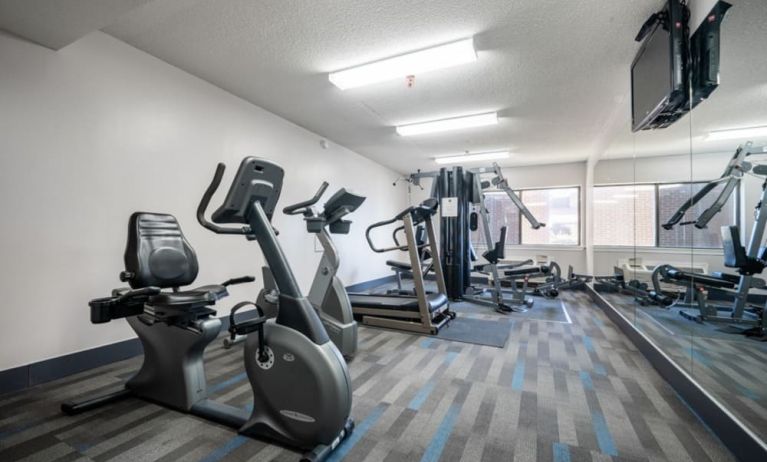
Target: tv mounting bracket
660,17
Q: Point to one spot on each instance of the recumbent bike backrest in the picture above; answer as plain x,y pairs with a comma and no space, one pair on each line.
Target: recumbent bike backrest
157,253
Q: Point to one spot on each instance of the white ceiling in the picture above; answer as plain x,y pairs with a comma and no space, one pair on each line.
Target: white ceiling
554,72
557,72
57,23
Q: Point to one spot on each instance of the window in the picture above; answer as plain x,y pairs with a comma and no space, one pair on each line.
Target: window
631,215
559,208
624,215
501,212
673,196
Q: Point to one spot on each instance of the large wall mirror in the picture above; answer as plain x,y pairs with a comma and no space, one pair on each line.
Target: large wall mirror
677,223
728,134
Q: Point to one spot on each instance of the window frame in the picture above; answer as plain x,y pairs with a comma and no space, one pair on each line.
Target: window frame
656,231
523,222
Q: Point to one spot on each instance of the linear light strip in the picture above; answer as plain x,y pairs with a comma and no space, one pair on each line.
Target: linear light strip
476,157
736,133
417,62
455,123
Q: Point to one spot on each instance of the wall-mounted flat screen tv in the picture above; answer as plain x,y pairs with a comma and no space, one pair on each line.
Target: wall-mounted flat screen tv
659,77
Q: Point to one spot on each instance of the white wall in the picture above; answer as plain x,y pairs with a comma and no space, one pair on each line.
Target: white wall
701,167
660,169
98,130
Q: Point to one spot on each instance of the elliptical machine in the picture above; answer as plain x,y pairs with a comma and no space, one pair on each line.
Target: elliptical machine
327,294
301,387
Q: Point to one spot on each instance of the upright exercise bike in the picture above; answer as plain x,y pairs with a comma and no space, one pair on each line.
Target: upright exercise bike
301,387
327,294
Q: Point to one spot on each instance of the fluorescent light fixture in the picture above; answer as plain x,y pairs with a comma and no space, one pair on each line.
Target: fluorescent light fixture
669,186
417,62
625,196
605,201
735,133
472,157
455,123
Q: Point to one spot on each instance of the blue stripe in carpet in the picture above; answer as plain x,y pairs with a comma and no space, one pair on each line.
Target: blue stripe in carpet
586,379
604,438
599,369
748,393
518,379
588,343
227,383
359,431
426,343
420,397
699,357
22,427
451,355
439,440
224,450
561,452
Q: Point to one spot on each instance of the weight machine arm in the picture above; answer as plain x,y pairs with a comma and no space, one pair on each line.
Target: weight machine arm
731,177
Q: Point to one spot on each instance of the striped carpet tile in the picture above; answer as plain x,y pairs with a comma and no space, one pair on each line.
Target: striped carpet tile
561,391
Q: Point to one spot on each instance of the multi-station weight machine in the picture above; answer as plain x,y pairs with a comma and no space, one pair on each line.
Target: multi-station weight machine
462,204
748,261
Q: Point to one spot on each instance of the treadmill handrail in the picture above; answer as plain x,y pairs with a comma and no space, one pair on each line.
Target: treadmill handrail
418,212
384,223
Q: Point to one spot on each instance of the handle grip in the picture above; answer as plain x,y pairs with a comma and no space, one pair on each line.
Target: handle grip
296,209
239,280
378,225
142,292
205,201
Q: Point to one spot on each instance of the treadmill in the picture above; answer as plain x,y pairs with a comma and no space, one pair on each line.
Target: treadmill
423,312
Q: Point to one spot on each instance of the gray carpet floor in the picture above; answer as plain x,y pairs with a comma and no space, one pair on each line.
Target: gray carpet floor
558,391
729,365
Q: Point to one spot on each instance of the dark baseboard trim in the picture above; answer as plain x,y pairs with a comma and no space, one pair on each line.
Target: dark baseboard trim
743,443
22,377
373,283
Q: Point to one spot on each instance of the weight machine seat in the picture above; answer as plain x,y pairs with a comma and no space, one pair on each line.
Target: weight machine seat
735,255
399,265
516,264
703,279
543,269
397,303
734,278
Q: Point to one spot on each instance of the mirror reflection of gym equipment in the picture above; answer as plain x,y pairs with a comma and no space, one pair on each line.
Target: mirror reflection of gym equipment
448,231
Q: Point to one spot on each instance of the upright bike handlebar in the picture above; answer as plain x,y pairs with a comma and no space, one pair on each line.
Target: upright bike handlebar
302,207
205,201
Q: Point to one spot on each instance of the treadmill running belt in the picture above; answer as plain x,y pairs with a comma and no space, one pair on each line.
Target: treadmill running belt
382,301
